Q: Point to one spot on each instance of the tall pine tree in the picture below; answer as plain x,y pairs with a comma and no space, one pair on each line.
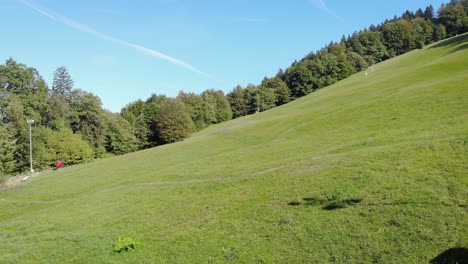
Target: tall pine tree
63,83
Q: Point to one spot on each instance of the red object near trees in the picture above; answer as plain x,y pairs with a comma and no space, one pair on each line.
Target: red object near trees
59,164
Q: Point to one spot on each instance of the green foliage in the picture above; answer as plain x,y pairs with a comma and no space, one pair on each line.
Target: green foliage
337,63
454,17
63,83
119,137
299,80
238,102
267,98
429,13
16,77
50,145
282,94
218,107
196,107
326,67
419,13
357,62
157,99
260,98
399,36
173,121
87,118
132,111
125,244
58,113
145,129
8,164
18,129
27,85
373,48
424,31
439,32
27,97
34,101
252,99
318,71
142,133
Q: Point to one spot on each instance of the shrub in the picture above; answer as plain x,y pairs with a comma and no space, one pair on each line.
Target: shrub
125,245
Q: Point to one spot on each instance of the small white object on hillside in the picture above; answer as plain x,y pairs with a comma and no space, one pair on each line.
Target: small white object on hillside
26,178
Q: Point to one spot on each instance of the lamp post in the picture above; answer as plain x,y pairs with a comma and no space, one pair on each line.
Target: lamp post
30,123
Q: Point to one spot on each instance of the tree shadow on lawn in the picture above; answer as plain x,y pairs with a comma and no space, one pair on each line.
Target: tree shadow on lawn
329,205
341,204
462,47
326,204
454,41
451,256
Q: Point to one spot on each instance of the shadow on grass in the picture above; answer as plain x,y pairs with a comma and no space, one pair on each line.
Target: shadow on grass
451,256
454,41
329,205
462,47
341,204
314,201
326,204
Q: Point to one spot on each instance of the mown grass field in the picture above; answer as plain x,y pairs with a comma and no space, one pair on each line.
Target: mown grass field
371,169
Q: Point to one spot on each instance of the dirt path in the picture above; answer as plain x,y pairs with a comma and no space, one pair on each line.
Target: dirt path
18,180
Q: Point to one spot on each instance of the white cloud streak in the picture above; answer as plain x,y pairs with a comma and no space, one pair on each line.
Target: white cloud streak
71,23
322,5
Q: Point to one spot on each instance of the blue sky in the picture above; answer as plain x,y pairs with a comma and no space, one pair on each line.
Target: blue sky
124,50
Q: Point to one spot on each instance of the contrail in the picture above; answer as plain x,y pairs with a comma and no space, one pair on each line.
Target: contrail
322,5
71,23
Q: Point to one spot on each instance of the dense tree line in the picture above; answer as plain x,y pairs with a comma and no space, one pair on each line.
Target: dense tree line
160,120
70,124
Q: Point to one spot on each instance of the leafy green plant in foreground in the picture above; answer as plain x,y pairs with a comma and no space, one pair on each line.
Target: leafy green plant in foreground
125,245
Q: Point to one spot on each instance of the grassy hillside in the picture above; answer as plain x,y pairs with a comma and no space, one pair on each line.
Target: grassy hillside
371,169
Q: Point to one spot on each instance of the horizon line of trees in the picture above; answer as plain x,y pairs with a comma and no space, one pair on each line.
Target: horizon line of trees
70,124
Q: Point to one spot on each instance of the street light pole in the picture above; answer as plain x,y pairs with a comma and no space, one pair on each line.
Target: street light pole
30,122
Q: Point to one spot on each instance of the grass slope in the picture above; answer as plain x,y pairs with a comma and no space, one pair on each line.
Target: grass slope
370,169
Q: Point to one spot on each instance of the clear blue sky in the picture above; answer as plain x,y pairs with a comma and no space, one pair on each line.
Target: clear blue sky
124,50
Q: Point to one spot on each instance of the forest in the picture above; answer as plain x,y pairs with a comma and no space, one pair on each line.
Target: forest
70,124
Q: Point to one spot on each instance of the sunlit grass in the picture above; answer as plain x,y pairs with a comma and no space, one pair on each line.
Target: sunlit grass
371,169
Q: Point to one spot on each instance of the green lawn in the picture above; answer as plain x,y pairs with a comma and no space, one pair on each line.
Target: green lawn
371,169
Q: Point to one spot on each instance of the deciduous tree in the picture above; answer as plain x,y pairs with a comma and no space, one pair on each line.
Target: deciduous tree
173,121
454,17
399,36
280,89
218,106
238,102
